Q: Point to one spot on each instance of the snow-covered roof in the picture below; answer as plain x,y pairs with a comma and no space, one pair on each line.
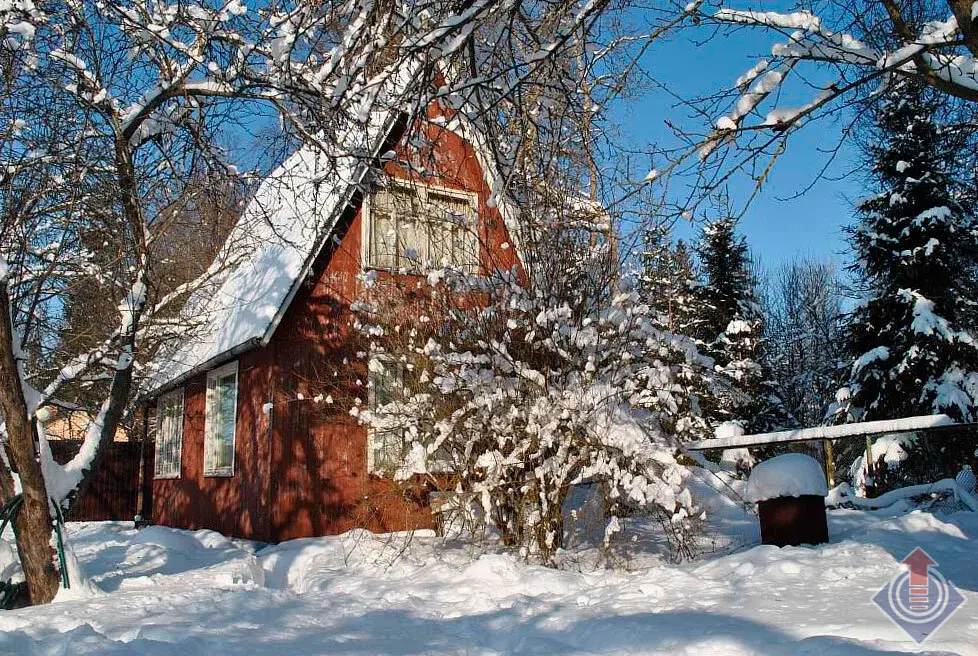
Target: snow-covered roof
906,425
275,242
270,250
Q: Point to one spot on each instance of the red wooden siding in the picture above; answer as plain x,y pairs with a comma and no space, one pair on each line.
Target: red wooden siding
302,469
234,505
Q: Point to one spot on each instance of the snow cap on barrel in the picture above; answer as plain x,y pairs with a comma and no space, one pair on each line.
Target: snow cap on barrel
790,475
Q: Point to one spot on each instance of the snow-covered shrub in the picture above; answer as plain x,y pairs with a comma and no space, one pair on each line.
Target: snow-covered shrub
737,460
513,388
911,459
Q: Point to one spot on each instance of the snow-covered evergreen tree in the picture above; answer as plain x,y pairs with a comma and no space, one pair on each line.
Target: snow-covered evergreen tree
729,324
667,284
916,248
667,279
727,289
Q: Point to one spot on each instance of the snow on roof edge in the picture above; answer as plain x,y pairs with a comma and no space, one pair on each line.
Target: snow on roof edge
390,125
213,363
286,251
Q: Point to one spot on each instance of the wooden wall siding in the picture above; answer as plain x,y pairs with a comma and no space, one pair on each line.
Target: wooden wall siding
302,470
235,505
319,452
113,493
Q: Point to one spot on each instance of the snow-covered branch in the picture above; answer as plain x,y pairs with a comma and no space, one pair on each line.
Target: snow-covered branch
827,59
939,53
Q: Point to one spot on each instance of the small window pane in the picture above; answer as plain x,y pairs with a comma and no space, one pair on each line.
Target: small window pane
451,220
467,248
383,385
388,450
442,246
387,446
383,244
222,391
169,435
411,244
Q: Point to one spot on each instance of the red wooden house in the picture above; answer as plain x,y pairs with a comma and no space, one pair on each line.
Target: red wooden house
245,443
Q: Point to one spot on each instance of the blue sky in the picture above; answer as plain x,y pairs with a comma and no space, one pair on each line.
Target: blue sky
777,229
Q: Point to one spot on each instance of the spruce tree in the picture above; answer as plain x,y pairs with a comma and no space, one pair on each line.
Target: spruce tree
667,279
727,289
729,325
911,351
667,283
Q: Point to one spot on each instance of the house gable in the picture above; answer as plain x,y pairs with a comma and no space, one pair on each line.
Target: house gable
253,279
299,216
300,463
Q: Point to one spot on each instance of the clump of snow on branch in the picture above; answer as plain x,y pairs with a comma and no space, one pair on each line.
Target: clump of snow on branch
937,52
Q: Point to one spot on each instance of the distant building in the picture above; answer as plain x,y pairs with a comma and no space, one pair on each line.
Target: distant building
71,425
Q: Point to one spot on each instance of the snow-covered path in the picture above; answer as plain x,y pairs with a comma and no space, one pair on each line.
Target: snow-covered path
174,592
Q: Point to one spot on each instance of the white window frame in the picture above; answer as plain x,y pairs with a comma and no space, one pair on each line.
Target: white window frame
174,469
422,190
212,377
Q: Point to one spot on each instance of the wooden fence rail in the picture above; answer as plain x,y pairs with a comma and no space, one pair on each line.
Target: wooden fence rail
114,493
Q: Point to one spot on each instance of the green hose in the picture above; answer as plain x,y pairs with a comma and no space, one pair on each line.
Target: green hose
8,515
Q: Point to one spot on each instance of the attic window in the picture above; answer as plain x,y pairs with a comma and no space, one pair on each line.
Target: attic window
411,227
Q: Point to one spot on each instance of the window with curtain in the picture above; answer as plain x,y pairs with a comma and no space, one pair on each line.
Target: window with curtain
169,434
410,227
222,402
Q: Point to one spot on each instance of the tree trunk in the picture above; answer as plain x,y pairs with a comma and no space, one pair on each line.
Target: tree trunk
118,397
552,526
122,379
34,523
6,478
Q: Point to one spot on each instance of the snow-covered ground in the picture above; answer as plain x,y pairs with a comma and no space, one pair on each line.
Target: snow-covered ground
188,593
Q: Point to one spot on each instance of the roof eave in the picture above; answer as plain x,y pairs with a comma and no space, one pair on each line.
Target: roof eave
216,361
397,118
